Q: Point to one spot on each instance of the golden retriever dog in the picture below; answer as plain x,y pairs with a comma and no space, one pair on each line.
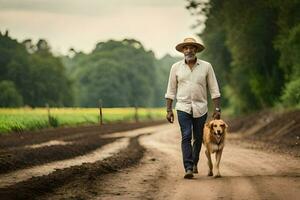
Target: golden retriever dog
214,134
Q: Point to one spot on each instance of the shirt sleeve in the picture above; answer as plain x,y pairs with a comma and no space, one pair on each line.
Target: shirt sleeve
172,84
212,83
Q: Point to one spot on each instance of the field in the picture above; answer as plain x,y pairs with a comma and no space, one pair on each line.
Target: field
24,119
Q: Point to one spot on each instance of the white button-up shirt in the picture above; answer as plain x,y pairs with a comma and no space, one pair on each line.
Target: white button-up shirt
189,86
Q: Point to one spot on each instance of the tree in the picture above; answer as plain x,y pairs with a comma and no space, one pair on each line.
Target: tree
9,96
121,73
38,76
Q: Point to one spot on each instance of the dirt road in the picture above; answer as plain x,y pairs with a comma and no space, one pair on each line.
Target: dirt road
247,174
148,165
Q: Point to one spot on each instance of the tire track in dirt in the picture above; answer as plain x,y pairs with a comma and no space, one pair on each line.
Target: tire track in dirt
76,143
138,181
79,179
38,186
43,170
29,157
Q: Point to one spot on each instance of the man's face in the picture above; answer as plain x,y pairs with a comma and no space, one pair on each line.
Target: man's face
189,52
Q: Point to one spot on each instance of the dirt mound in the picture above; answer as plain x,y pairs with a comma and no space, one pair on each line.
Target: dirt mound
283,128
270,130
242,124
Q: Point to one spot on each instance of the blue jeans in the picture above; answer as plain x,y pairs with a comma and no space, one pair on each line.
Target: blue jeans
188,125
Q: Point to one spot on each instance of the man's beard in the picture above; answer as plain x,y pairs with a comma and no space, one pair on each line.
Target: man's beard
190,57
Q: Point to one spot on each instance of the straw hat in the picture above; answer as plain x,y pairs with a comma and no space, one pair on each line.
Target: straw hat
189,41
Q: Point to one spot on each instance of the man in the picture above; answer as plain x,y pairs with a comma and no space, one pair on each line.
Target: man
188,81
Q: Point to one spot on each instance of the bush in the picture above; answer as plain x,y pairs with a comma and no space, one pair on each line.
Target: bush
53,121
9,95
291,94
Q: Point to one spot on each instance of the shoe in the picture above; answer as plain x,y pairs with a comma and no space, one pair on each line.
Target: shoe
188,174
195,169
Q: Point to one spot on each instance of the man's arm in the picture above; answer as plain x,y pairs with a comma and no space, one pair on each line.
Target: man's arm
170,95
214,92
170,115
169,104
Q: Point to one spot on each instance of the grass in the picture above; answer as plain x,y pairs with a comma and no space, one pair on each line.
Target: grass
23,119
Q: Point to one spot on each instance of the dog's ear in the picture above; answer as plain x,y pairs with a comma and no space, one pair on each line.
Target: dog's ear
211,124
224,125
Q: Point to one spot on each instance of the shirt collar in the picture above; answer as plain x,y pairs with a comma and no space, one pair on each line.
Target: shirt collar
197,62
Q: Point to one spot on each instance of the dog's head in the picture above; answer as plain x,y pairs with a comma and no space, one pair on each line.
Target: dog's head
217,128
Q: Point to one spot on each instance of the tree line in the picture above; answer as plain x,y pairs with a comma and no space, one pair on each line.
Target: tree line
30,75
120,73
254,47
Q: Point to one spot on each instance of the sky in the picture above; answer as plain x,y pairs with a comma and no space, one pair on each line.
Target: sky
158,24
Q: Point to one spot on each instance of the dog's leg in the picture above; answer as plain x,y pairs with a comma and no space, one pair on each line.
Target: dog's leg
210,165
218,159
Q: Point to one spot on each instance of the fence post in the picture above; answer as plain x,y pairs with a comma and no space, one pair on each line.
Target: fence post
100,112
48,110
149,114
136,116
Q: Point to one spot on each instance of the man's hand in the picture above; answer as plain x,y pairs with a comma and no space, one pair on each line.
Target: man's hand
217,110
170,116
216,115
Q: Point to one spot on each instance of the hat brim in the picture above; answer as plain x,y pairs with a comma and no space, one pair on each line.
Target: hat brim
179,47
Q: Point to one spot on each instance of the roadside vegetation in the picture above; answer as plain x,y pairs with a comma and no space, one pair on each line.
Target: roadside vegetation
24,119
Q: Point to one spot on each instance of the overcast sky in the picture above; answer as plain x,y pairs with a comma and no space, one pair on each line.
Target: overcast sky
158,24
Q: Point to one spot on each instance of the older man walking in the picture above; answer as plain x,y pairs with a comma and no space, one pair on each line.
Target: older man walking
188,81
